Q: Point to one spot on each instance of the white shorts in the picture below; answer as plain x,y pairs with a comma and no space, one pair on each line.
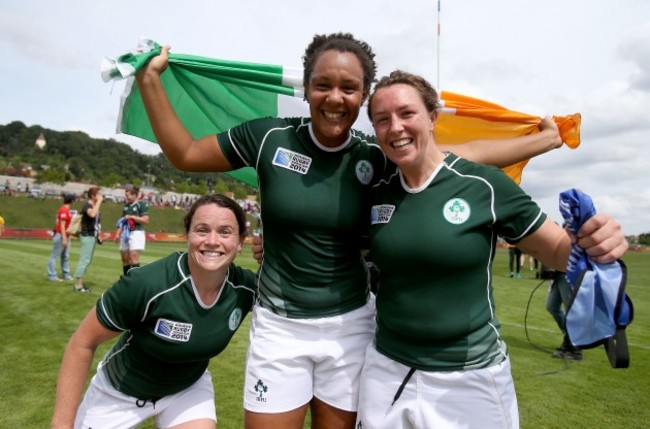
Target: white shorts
290,361
137,240
105,407
479,398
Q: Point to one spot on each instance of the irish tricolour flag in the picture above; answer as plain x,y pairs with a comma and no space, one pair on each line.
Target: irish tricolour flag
212,95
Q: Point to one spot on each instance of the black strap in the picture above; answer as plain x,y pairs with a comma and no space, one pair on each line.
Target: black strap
616,346
401,386
617,351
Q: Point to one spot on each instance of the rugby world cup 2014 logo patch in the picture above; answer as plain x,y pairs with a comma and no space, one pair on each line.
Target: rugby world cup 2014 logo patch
291,160
172,330
381,213
456,211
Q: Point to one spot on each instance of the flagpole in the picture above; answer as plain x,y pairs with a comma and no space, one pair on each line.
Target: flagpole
438,52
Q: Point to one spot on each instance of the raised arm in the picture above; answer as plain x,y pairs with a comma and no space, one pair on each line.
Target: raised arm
180,147
75,366
505,152
92,212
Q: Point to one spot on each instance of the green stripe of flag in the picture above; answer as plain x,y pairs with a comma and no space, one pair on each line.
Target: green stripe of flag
209,95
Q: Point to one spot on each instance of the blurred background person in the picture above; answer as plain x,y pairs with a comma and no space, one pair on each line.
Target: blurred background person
130,233
557,301
61,242
514,260
89,235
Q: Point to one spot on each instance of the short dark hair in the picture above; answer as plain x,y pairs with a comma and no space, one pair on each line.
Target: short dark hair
427,92
221,201
132,189
341,42
69,198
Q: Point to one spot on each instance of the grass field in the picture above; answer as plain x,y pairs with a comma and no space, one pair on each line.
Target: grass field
38,318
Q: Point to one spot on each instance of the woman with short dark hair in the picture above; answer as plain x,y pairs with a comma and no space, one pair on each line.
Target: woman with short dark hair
88,236
171,316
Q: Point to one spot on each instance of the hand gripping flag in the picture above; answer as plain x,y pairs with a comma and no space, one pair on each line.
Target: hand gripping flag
212,95
208,95
599,310
463,118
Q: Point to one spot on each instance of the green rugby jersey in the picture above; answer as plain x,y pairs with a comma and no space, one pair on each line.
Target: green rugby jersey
138,208
314,211
434,247
169,334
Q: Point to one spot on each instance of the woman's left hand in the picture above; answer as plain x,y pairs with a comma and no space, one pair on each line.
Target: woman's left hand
602,238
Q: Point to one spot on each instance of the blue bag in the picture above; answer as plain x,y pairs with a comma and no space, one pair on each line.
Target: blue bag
600,309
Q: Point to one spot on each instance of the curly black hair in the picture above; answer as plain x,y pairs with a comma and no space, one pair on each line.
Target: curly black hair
341,42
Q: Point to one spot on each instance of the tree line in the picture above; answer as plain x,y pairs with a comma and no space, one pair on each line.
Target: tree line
74,156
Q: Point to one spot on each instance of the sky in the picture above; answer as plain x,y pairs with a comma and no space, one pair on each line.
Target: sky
552,57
